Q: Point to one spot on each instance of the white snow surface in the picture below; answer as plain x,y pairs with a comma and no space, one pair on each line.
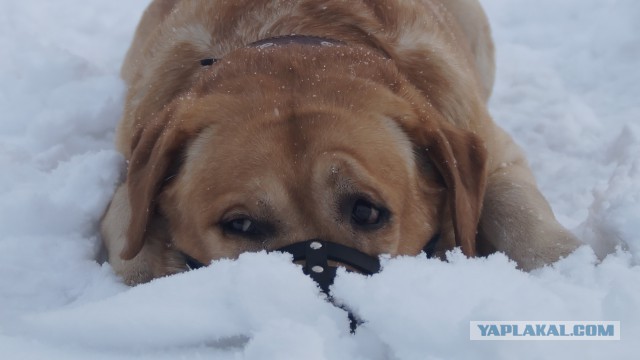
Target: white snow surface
567,88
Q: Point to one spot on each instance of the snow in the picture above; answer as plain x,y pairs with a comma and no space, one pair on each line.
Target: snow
567,88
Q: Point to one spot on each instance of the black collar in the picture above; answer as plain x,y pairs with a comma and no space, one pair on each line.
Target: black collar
284,40
295,40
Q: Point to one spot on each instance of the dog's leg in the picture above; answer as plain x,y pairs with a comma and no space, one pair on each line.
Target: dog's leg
474,24
517,220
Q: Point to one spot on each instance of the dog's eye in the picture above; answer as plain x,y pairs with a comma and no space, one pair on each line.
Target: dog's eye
241,226
367,215
247,227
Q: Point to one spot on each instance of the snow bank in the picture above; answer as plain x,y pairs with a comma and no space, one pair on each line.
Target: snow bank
567,89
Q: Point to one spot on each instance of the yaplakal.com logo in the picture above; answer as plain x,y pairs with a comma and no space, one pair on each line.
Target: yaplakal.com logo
544,330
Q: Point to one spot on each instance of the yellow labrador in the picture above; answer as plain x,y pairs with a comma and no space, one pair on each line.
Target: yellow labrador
255,124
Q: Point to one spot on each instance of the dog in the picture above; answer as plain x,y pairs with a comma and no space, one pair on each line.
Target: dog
250,125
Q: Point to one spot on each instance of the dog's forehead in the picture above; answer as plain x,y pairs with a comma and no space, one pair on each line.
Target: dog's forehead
293,147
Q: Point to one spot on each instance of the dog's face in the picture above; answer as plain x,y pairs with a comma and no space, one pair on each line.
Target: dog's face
275,147
336,174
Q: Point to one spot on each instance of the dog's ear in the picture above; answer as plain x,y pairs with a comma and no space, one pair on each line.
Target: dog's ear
460,156
155,150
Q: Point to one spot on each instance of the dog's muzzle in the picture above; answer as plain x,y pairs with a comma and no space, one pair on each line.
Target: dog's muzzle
316,255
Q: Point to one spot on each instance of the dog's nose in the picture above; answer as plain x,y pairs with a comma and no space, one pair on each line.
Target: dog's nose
318,258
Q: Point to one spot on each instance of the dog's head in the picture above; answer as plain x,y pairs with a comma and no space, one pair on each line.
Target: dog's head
280,145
